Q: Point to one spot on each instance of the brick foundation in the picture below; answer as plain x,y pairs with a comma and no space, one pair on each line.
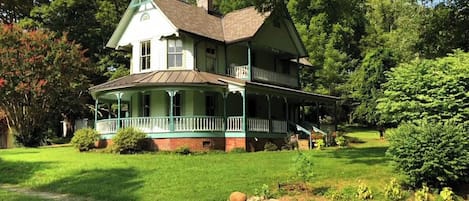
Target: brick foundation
235,142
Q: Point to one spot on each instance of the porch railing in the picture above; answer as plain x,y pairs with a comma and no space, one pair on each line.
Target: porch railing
106,126
147,124
279,126
241,72
234,124
201,123
258,125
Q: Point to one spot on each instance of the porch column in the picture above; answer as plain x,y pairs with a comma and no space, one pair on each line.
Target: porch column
245,127
269,113
249,62
298,74
171,94
317,115
225,121
119,97
96,105
286,111
335,115
109,105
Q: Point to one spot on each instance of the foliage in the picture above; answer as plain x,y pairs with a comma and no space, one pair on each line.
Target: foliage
393,191
341,141
42,78
184,150
433,89
364,192
129,140
422,194
433,153
84,139
320,144
263,193
447,194
346,194
303,166
269,146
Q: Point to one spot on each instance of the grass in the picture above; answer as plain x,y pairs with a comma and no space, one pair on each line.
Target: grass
102,176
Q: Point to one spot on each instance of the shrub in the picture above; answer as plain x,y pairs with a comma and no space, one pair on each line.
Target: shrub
436,154
269,146
422,194
84,139
393,191
303,167
129,140
263,193
184,150
341,141
364,192
238,150
320,144
447,194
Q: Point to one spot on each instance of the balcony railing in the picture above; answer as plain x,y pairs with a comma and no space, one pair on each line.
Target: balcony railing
259,74
190,124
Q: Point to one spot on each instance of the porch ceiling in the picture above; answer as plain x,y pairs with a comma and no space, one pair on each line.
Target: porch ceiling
289,92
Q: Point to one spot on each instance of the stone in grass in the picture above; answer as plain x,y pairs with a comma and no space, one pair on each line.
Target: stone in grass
238,196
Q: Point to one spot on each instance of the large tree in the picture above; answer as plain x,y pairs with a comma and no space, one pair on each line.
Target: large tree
41,78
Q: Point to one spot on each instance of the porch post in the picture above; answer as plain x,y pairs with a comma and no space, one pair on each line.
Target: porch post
335,115
245,127
286,110
109,107
269,113
298,74
96,105
225,121
249,61
171,94
119,97
317,114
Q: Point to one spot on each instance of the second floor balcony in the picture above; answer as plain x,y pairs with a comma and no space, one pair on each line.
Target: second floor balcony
262,75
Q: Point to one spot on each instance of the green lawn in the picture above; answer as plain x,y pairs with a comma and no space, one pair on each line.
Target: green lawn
197,177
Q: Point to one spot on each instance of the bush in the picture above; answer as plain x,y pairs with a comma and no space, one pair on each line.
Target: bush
393,191
303,167
320,144
436,154
341,141
447,194
364,192
129,140
84,139
422,194
269,146
184,150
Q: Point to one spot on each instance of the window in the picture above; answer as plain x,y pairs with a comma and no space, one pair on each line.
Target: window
145,55
210,105
174,53
145,16
211,59
177,105
146,105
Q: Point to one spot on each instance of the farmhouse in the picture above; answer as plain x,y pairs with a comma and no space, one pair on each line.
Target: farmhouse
206,81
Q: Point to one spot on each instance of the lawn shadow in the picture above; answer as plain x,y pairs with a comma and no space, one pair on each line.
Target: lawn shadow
99,184
16,172
365,155
321,190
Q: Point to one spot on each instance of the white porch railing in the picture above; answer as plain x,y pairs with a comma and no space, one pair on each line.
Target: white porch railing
241,72
234,124
258,125
279,126
190,123
106,126
147,124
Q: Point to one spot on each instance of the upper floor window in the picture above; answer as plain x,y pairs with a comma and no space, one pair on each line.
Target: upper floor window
145,55
174,53
145,16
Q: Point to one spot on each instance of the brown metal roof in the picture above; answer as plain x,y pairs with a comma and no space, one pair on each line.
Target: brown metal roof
159,78
234,26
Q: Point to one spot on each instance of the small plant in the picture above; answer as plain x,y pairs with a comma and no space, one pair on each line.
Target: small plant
303,166
238,150
364,192
422,194
184,150
84,139
263,193
269,146
129,140
320,144
447,194
341,141
393,191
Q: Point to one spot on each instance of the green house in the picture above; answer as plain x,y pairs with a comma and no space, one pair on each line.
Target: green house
203,80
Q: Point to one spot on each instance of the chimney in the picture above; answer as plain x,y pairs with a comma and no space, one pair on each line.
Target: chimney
206,4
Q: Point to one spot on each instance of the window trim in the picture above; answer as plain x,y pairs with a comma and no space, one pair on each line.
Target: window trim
146,57
174,53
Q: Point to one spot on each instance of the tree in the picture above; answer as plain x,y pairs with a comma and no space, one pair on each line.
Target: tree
14,10
427,89
41,78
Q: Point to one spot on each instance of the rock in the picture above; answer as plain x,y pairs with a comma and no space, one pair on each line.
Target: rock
238,196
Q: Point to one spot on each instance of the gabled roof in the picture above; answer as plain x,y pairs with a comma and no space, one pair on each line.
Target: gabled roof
242,24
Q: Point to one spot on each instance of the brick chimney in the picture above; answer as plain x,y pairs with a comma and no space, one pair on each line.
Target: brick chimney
206,4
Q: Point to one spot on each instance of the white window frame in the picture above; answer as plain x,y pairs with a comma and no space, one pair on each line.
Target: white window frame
175,52
145,55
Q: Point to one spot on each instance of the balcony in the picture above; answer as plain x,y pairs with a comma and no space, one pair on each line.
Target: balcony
191,124
258,74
